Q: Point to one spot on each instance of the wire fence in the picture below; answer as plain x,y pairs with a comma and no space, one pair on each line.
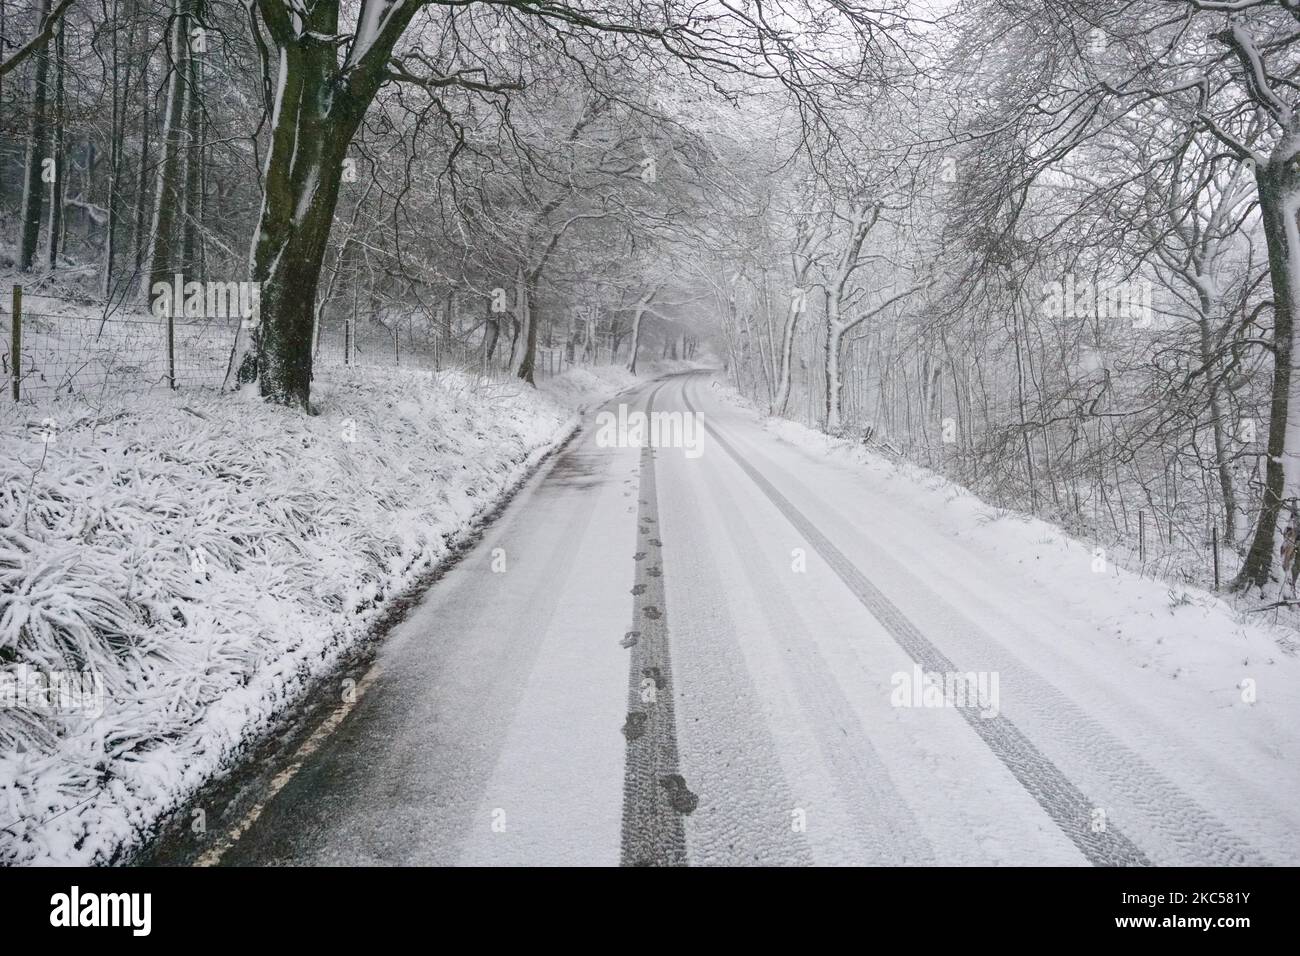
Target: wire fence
376,345
64,346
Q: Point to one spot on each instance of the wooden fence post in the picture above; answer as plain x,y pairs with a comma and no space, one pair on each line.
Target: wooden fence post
1214,546
16,340
171,349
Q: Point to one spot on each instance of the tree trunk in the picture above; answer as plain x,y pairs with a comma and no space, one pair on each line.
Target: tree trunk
160,260
1278,184
140,237
1020,399
528,362
519,326
642,306
834,385
54,229
276,349
512,361
315,115
1223,466
530,281
192,225
117,134
33,193
797,304
491,333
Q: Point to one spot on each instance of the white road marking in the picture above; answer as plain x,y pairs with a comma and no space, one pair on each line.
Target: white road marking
313,743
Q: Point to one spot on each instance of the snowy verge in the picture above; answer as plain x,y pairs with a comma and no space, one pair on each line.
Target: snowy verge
1243,663
191,561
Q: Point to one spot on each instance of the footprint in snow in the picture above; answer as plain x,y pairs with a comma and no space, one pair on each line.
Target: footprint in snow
634,727
680,797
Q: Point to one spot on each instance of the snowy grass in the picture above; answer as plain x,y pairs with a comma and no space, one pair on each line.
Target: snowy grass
206,556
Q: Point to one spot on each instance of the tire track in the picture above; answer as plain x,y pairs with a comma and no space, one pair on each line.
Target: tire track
1064,802
882,824
1174,827
655,796
752,826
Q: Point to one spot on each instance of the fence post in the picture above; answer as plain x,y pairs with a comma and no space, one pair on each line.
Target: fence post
1142,537
397,346
1214,546
171,350
347,341
16,340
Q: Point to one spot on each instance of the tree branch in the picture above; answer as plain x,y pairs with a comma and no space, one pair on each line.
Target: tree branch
42,37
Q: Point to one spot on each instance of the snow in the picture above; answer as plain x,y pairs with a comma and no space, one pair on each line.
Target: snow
375,14
789,677
1170,708
1191,696
306,196
210,555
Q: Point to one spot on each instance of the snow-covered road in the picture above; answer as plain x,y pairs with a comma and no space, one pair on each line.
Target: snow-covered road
658,657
